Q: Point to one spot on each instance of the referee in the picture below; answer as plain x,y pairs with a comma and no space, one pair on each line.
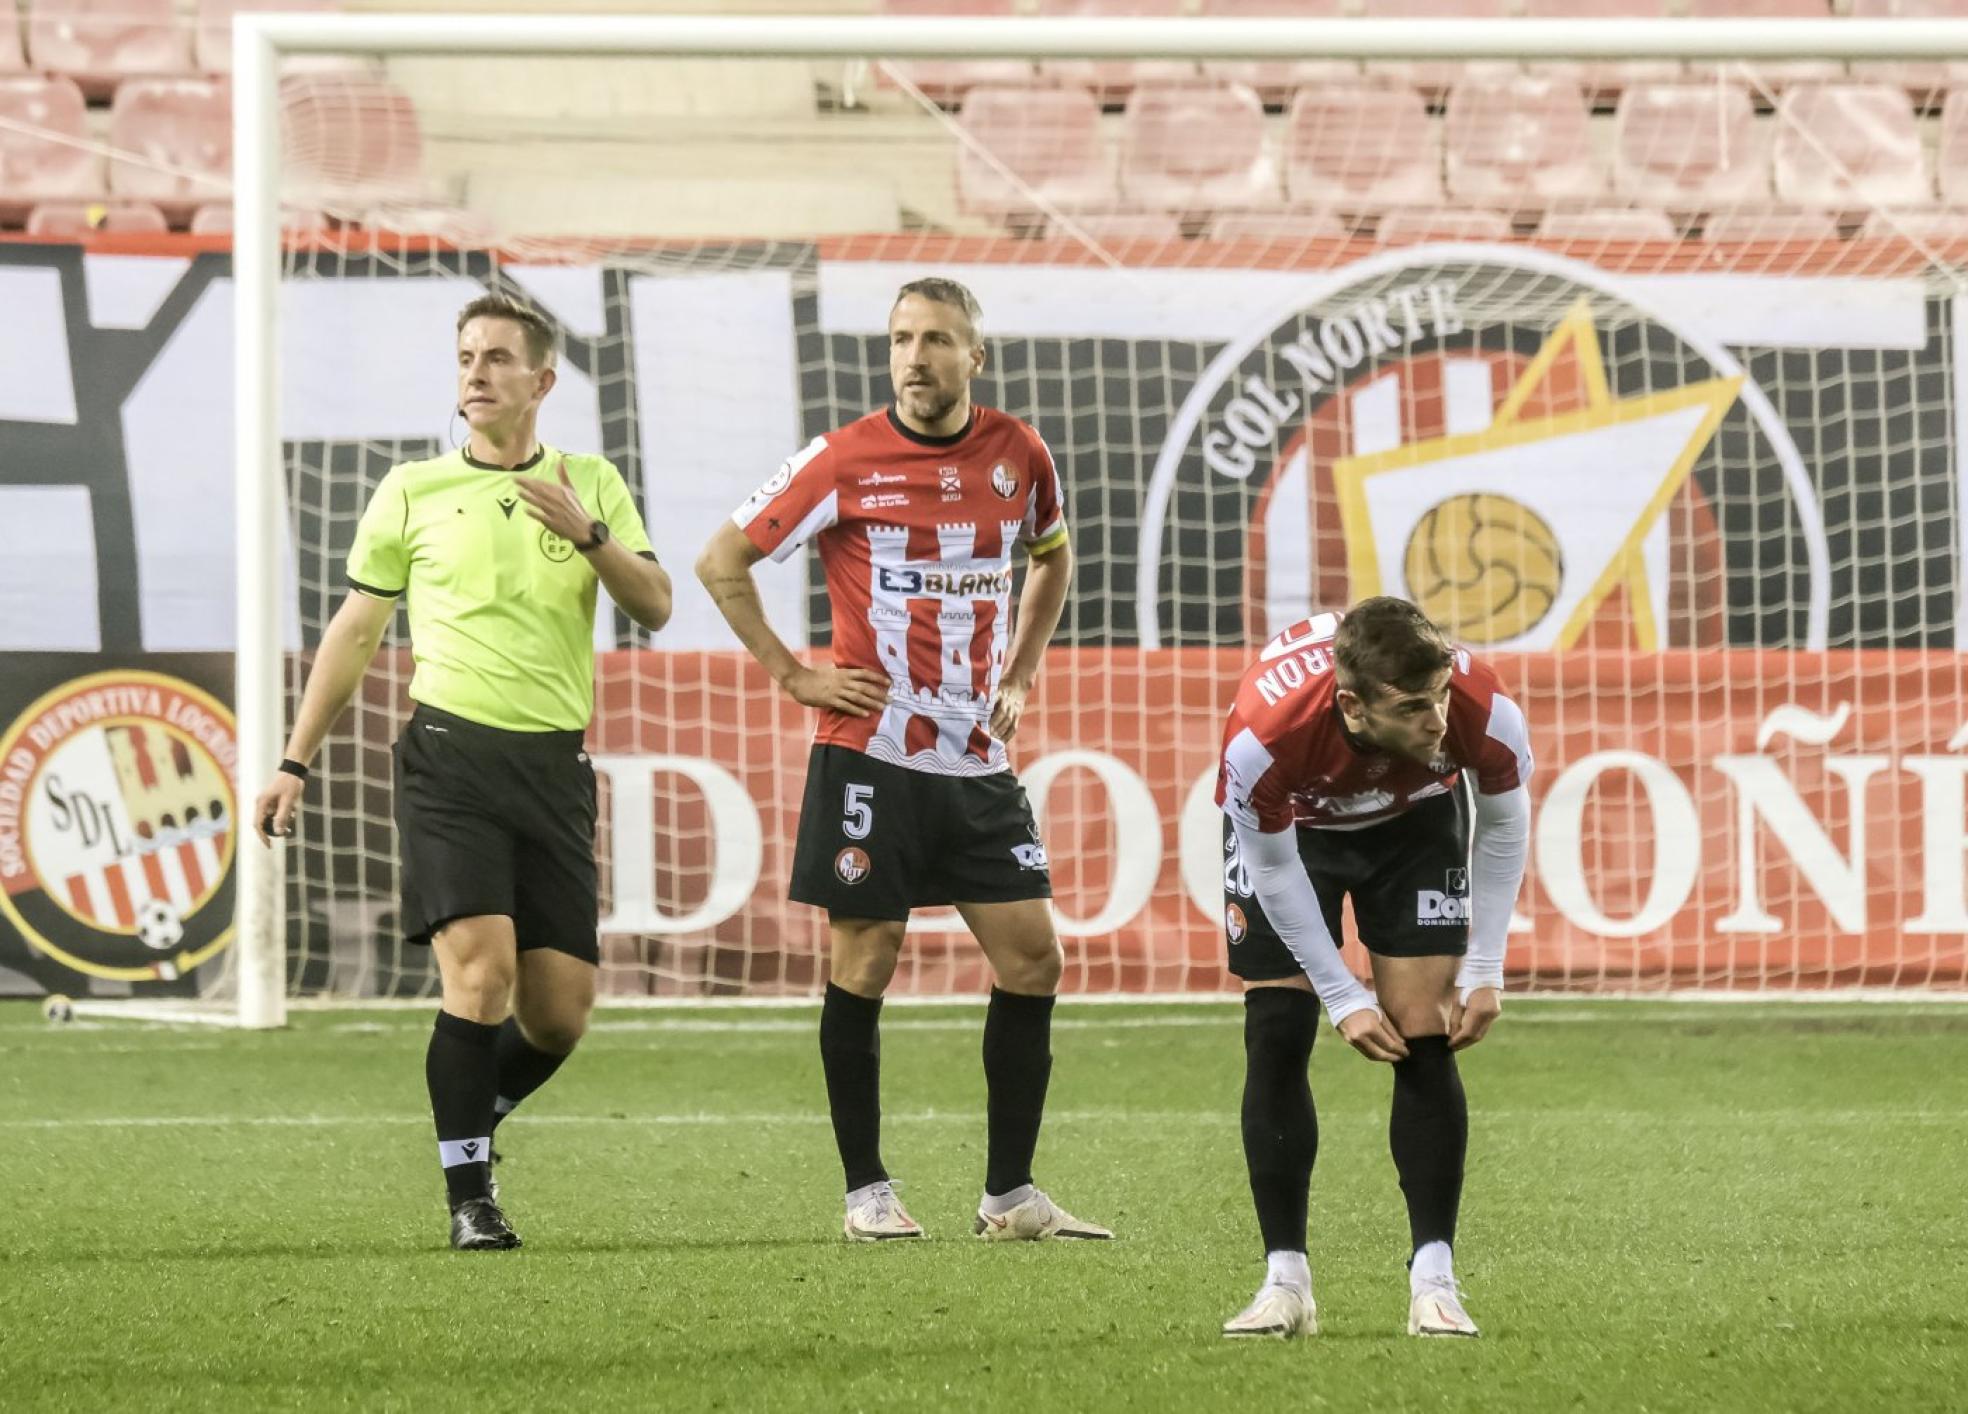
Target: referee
495,795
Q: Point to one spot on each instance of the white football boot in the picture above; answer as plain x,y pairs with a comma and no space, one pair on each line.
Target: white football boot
1277,1310
879,1217
1437,1310
1035,1220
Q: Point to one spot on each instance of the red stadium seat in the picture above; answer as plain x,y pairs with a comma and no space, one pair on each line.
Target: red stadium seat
82,218
1441,224
213,39
1196,147
1520,140
1927,83
1361,146
1770,225
1951,153
1274,79
1279,227
216,220
1604,224
1846,146
99,43
1765,73
446,223
180,131
1048,143
1111,80
1604,80
13,54
1690,147
1115,227
1948,226
48,163
1434,79
349,142
947,80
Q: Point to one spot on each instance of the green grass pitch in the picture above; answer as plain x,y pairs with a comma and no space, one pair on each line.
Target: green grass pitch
1669,1206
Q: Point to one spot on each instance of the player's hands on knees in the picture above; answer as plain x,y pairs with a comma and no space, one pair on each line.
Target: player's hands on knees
273,812
1369,1033
1008,710
855,691
1470,1022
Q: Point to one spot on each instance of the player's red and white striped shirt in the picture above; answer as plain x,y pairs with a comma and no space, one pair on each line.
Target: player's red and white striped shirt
1287,758
916,534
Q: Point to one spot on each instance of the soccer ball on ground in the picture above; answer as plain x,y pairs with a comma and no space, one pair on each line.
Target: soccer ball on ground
158,925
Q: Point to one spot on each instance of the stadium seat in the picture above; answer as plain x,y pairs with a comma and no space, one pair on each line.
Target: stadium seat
445,223
1274,79
1361,146
1947,225
1770,224
13,55
1846,146
1519,140
1607,224
216,220
1441,224
212,40
1196,147
1689,147
180,132
1113,227
1951,150
1773,74
1047,139
1601,80
1433,78
349,142
1279,227
46,164
1111,80
99,43
947,80
1925,83
83,218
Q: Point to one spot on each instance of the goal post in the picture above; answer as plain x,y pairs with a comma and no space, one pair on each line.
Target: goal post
1549,282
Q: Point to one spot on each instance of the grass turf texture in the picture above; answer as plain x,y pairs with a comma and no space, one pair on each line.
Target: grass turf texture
1668,1207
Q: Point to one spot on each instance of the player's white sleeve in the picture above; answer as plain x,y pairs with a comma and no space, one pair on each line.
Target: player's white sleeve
1285,891
1503,842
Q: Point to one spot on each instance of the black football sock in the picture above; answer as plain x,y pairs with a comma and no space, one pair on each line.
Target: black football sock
1281,1127
850,1054
1017,1068
522,1069
1429,1134
462,1071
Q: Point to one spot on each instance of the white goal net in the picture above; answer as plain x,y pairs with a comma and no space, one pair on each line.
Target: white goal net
1640,374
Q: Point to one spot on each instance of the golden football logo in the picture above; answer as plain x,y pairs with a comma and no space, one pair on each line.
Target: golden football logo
116,825
1485,567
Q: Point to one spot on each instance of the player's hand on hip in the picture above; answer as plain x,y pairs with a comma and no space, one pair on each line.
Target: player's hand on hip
1368,1032
555,505
1007,711
1470,1022
855,691
273,812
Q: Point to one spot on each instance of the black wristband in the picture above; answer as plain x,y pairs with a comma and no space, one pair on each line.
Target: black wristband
293,767
597,536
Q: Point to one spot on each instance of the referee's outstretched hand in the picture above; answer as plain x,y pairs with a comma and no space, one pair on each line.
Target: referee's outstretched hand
1367,1032
555,504
273,812
855,691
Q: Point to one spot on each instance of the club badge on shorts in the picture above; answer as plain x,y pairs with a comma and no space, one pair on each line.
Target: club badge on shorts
1234,923
852,865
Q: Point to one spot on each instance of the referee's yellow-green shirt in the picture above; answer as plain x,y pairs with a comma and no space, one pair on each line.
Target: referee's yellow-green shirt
501,609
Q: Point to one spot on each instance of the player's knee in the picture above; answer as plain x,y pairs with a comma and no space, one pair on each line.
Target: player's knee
1414,1018
1034,973
863,971
479,987
558,1032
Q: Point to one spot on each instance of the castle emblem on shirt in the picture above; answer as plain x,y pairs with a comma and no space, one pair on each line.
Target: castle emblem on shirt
1004,480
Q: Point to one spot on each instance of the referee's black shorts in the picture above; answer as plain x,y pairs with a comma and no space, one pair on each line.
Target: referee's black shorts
1408,878
493,821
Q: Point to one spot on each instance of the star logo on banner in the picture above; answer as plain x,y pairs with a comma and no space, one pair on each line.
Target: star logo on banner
1516,534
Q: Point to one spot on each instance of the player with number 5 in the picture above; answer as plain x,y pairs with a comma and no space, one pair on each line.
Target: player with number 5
910,797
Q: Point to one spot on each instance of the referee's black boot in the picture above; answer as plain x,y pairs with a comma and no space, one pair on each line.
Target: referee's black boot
477,1225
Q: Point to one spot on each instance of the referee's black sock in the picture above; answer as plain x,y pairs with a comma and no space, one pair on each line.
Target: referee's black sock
1017,1068
1281,1127
850,1054
461,1070
522,1068
1429,1134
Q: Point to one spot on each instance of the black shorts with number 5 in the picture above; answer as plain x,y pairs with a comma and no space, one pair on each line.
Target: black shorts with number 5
1408,878
877,840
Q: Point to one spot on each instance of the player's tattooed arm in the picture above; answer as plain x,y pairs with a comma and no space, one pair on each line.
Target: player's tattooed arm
725,571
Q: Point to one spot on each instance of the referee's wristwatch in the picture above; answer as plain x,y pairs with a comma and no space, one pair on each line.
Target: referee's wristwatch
597,536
